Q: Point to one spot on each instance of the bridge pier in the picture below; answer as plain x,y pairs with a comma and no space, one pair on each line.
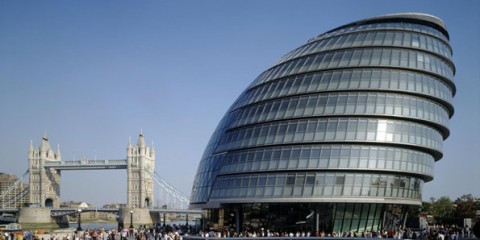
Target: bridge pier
41,216
156,218
35,215
140,216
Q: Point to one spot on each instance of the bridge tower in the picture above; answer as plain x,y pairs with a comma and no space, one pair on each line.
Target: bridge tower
140,159
44,183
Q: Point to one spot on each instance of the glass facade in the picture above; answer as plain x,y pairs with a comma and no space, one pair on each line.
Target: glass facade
296,217
345,128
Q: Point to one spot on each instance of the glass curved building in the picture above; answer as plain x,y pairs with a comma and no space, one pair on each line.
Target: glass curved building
340,135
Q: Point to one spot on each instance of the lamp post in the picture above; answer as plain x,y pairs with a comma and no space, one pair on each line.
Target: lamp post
79,228
131,219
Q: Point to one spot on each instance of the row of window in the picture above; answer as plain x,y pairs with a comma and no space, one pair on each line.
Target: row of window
49,155
332,129
209,163
343,104
134,201
138,152
327,157
375,38
199,193
35,199
35,163
317,179
147,186
348,79
317,185
388,57
411,27
36,187
205,176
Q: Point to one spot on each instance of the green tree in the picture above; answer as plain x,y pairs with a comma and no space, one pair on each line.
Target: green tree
441,209
426,207
466,206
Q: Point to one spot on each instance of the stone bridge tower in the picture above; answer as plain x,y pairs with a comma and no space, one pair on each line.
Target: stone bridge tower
44,183
141,162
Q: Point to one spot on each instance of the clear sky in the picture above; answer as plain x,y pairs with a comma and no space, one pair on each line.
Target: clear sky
93,73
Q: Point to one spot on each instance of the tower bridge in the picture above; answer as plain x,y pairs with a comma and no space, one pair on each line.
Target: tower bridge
43,188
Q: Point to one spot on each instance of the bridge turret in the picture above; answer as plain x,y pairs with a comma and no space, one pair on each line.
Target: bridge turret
44,184
30,150
44,146
140,184
141,144
129,147
152,152
50,154
58,155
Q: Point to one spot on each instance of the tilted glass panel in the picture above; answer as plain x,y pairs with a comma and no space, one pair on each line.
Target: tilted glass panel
203,181
379,38
391,57
379,130
333,185
311,157
404,106
380,80
407,27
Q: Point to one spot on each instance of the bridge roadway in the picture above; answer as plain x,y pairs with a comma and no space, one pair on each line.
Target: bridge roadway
56,212
87,164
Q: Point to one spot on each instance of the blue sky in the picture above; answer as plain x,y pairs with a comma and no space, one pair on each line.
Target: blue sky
93,73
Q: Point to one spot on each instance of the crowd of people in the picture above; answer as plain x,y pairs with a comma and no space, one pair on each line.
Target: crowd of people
436,232
177,232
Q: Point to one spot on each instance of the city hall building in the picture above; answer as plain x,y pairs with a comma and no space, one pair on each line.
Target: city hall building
340,135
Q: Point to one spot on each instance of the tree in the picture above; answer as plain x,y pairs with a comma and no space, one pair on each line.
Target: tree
466,206
426,207
444,211
441,209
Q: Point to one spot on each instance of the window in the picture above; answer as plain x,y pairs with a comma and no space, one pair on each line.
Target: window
290,180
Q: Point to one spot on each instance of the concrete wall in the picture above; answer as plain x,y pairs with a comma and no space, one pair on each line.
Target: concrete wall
35,215
140,216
